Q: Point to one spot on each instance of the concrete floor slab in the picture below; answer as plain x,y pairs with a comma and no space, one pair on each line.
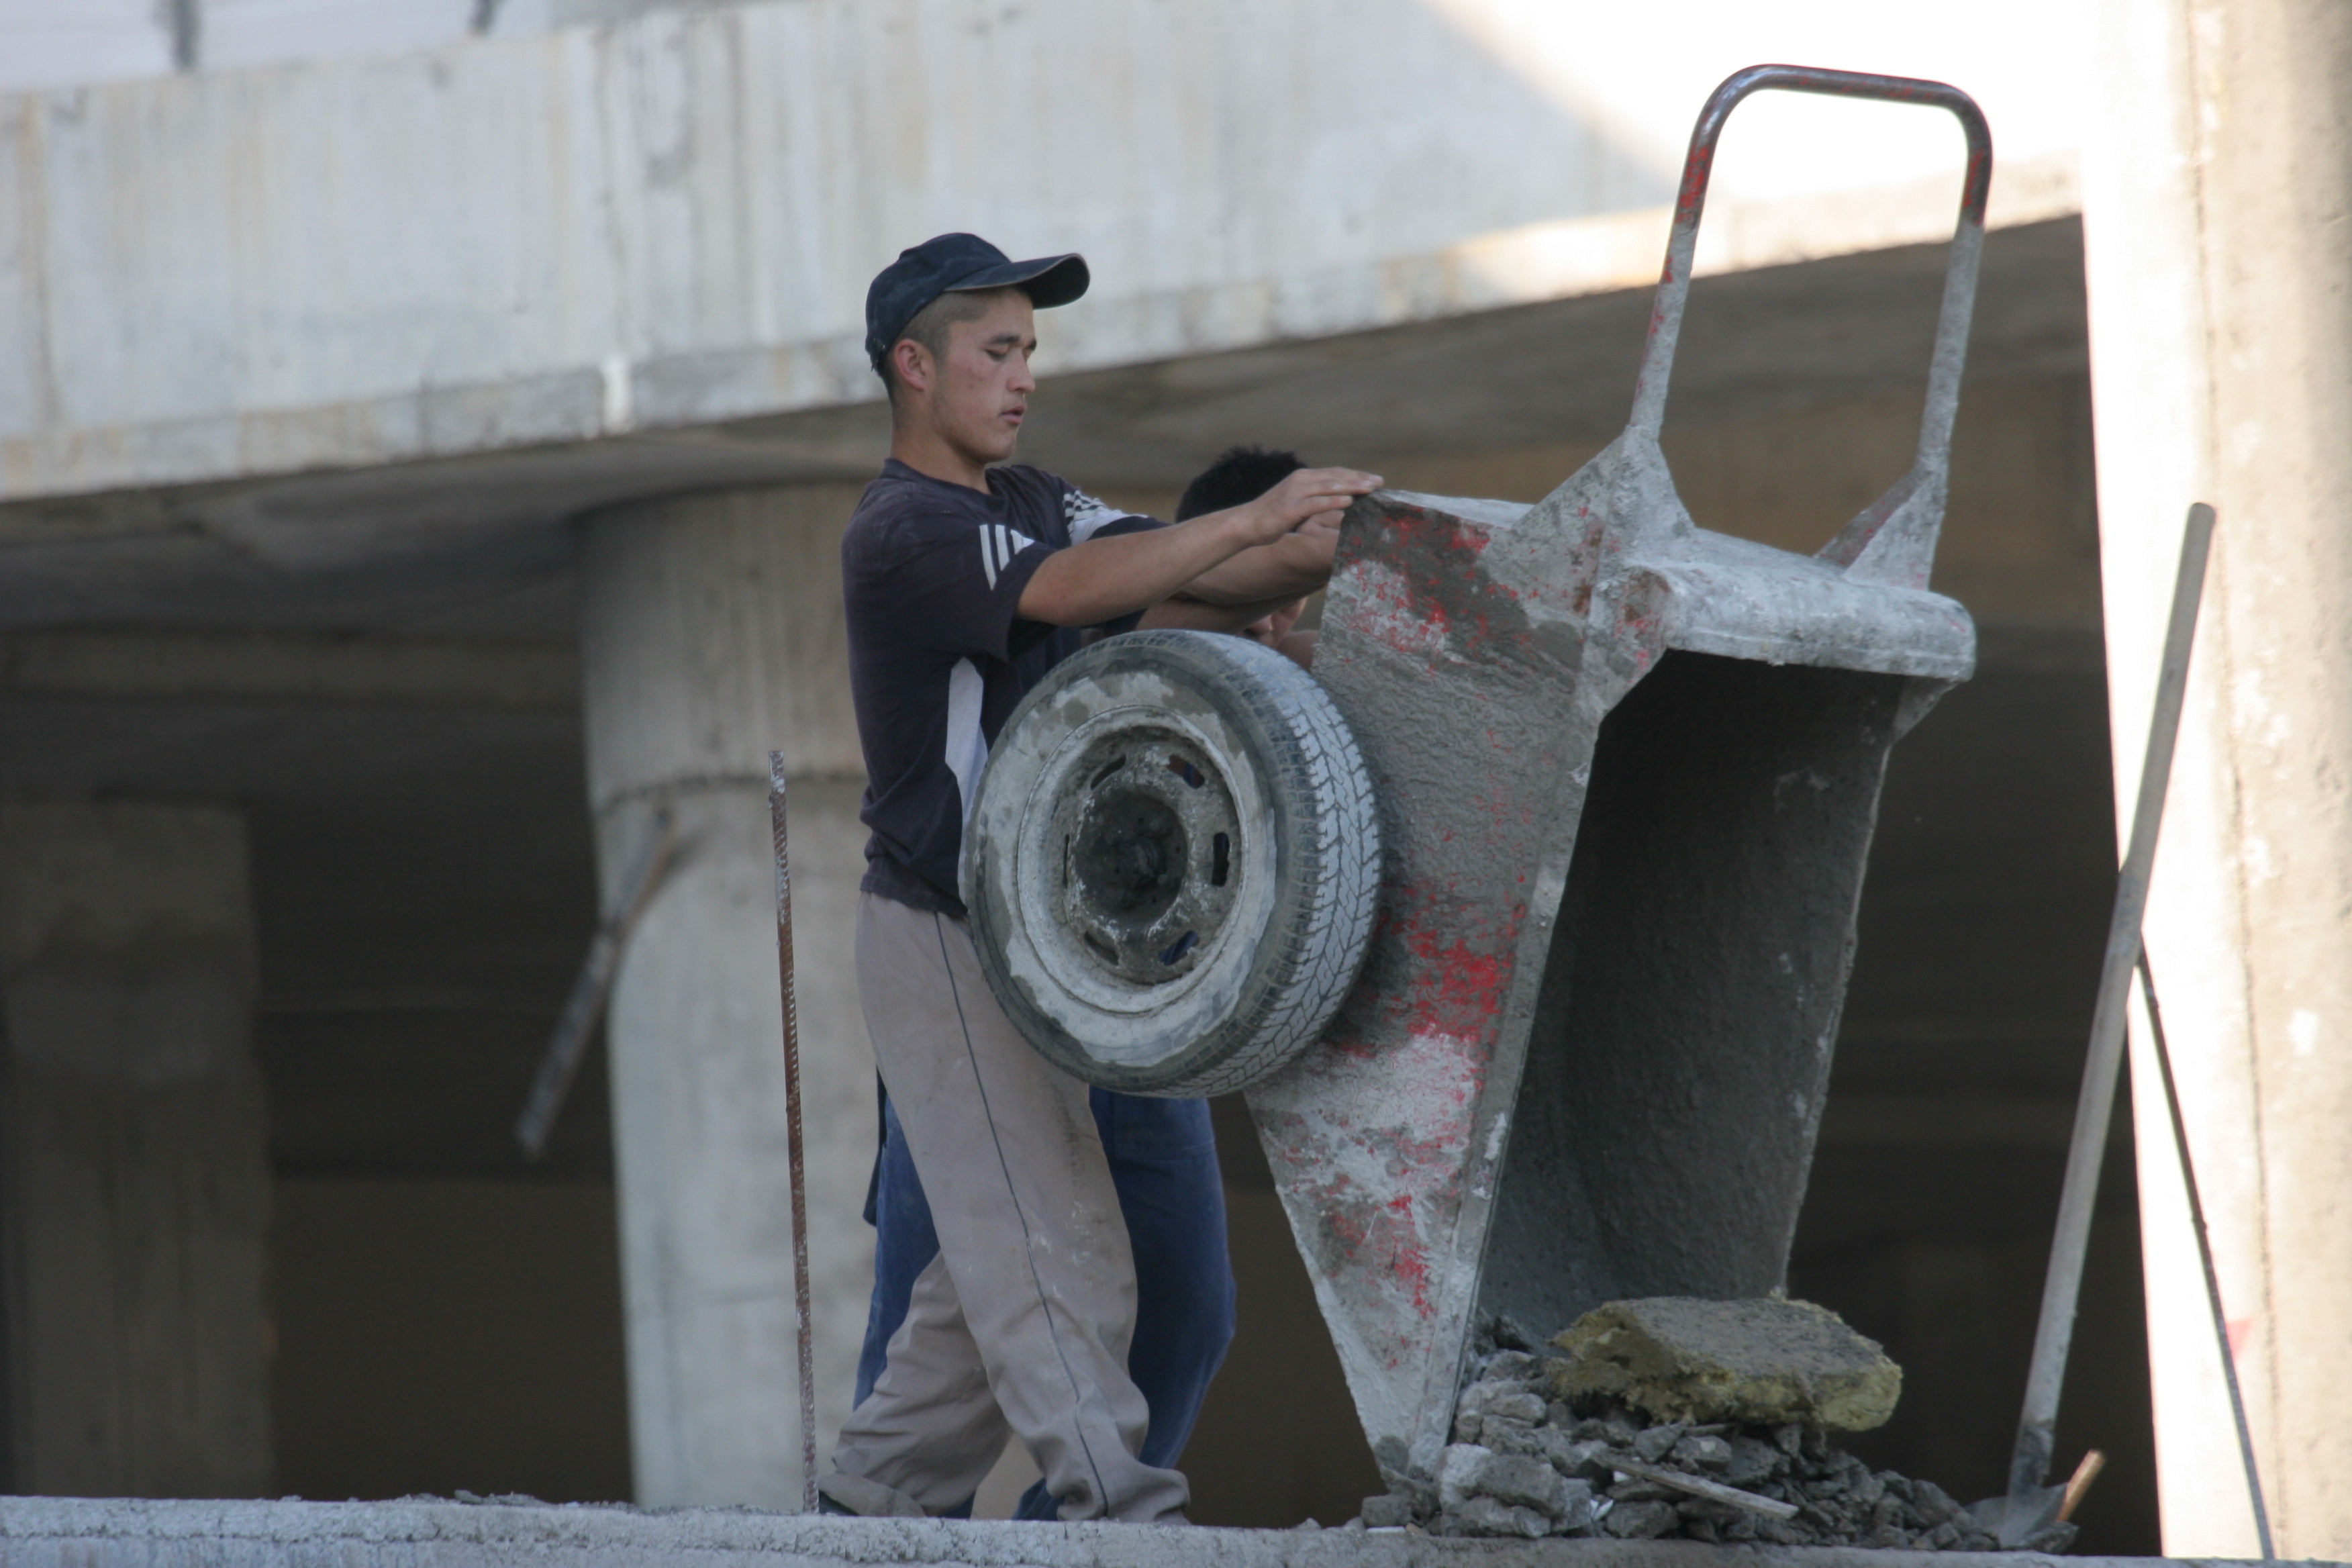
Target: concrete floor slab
74,1532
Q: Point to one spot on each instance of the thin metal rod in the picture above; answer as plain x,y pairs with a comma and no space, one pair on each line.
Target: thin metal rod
2062,1286
792,1129
2205,1256
590,991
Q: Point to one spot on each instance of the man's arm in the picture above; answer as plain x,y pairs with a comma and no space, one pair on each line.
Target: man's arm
1184,612
1247,554
1291,567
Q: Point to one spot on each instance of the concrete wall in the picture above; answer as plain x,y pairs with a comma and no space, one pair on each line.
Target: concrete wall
2217,254
670,221
134,1189
80,42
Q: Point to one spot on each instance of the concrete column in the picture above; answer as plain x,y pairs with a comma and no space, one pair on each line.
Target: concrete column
2217,171
134,1179
712,632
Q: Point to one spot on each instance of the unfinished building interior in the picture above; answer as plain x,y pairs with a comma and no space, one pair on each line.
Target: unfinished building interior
316,771
446,1315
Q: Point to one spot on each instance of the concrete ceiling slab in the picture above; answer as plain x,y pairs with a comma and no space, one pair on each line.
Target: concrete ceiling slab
475,546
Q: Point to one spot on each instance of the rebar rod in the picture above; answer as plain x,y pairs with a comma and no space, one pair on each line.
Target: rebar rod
2062,1287
552,1085
792,1129
2205,1256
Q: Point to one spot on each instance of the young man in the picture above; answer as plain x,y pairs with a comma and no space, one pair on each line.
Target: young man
965,582
1162,1156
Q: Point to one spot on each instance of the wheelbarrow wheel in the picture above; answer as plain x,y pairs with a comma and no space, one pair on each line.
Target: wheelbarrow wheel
1171,863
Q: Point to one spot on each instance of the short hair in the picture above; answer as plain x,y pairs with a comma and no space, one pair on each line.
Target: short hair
1239,476
929,326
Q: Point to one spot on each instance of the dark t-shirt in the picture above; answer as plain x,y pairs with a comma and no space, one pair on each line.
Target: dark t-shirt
931,574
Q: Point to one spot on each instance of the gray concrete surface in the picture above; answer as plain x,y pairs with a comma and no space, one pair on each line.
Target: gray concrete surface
657,230
66,1532
134,1182
466,545
2217,270
712,631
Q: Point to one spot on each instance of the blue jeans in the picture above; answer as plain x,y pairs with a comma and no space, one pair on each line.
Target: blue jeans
1164,1160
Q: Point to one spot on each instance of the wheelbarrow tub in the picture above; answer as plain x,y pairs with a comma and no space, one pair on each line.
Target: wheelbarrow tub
1627,788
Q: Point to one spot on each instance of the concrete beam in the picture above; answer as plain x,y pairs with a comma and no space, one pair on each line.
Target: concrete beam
61,1532
364,547
290,668
251,273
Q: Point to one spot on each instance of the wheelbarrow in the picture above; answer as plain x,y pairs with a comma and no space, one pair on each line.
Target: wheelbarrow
1572,1046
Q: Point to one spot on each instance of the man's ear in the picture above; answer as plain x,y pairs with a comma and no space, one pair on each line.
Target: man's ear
911,361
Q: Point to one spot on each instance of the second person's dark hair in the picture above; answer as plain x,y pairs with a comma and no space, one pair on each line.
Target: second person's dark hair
1240,474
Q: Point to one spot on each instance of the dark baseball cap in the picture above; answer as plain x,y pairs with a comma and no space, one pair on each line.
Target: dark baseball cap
955,264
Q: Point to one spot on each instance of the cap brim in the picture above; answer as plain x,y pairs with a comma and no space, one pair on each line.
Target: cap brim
1049,280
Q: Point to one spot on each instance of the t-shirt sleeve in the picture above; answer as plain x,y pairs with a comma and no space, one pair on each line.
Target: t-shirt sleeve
955,585
1086,517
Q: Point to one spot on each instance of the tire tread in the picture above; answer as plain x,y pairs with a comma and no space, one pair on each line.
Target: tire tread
1331,857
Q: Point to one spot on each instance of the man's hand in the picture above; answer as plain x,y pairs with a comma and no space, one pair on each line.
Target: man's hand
1310,497
1297,528
1277,547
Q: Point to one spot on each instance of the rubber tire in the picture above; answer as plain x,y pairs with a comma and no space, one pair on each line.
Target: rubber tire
1267,981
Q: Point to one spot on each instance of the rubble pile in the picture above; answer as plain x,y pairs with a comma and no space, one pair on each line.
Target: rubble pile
1695,1420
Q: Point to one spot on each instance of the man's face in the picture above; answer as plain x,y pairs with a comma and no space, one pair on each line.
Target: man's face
981,386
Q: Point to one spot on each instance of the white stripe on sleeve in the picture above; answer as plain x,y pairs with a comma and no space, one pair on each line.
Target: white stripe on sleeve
988,554
1085,515
967,752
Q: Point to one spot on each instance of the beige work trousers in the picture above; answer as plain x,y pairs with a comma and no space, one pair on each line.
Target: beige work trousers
1020,1325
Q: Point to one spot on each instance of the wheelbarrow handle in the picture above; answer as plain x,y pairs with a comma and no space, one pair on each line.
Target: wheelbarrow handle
1960,277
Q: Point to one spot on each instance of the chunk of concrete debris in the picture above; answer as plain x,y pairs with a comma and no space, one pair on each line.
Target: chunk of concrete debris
1703,1451
1641,1521
1507,1400
1486,1516
1466,1471
1587,1458
1775,1483
1460,1471
1767,1361
1754,1460
1657,1442
1510,1437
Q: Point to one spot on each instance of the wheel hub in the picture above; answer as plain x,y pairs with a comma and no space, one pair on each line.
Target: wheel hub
1149,844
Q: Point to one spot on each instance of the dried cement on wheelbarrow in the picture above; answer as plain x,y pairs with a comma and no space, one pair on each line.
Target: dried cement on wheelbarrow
1679,1418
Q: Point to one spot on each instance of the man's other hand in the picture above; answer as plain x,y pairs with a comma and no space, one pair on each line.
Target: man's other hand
1275,548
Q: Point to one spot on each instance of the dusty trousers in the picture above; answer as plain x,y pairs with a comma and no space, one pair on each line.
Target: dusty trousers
1020,1326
